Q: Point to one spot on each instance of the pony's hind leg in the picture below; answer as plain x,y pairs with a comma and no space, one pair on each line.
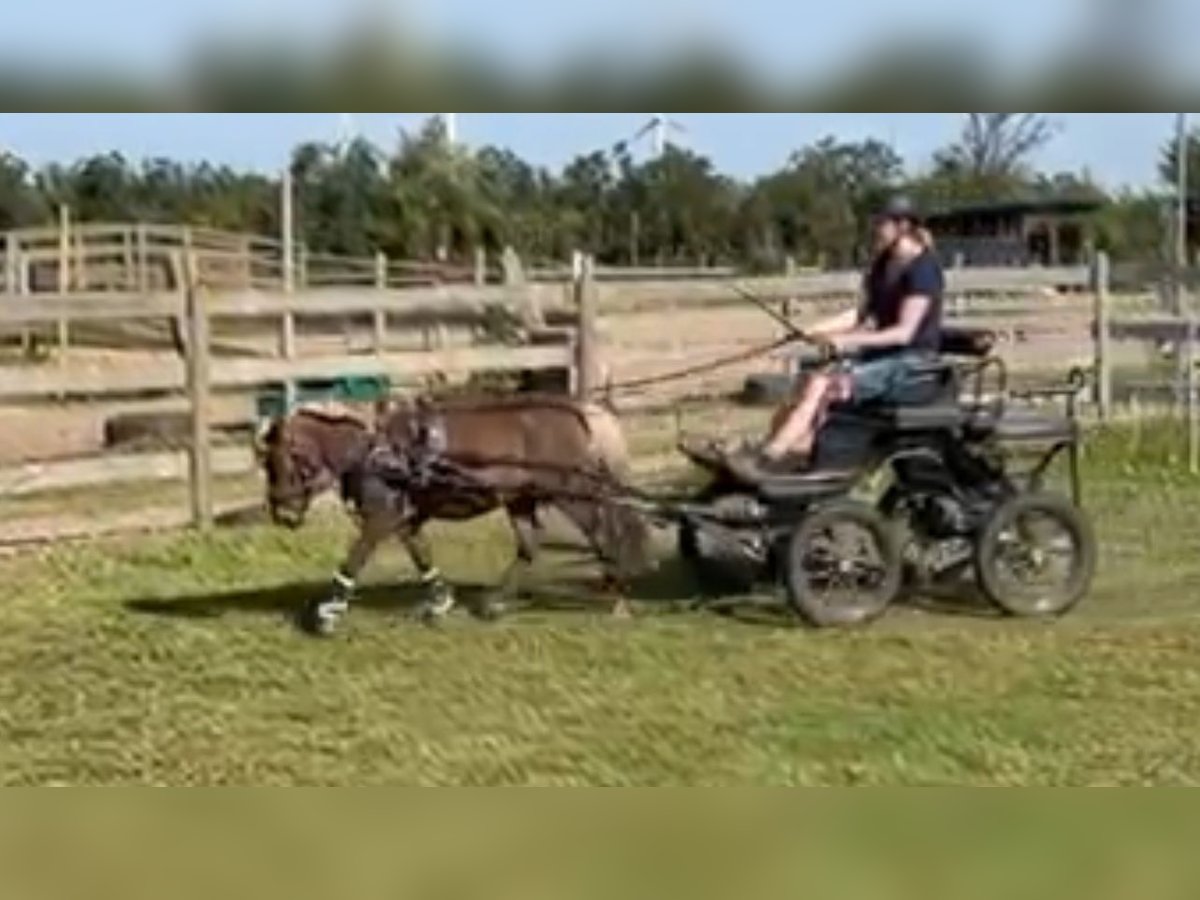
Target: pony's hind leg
522,516
321,617
439,599
593,522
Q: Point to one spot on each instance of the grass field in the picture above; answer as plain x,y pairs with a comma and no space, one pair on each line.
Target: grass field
171,660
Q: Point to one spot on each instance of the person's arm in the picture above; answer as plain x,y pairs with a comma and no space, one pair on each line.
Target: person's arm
912,314
842,323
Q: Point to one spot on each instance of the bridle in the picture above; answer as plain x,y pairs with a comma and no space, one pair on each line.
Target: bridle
305,480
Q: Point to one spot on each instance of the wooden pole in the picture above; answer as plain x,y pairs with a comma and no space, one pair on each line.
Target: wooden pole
64,248
287,218
128,276
82,282
12,279
143,273
585,340
480,266
64,275
1193,413
1103,358
287,325
380,315
11,263
287,350
1183,306
199,393
1182,354
960,262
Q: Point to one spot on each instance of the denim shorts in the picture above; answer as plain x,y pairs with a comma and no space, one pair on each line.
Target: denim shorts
884,379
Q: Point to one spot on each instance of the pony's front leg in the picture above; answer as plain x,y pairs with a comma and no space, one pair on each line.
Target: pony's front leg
321,617
439,599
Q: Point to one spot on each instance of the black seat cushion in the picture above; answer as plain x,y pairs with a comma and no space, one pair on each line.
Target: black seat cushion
934,417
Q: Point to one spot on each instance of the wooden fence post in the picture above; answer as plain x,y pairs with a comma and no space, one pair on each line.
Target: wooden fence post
1193,413
287,350
585,338
1101,278
82,280
143,273
199,392
480,266
128,278
288,240
64,276
287,324
11,263
959,302
380,315
12,280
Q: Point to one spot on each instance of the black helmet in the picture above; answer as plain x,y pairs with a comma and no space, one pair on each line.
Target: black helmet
899,208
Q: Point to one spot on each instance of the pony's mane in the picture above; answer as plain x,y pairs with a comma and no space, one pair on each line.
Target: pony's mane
485,402
334,414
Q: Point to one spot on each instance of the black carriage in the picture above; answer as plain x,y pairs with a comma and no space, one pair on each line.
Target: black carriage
956,501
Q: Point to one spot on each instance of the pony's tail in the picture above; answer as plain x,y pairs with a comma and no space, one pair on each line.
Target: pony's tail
609,450
625,531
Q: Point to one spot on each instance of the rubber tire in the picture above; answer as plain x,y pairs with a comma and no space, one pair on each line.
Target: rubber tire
1068,514
802,601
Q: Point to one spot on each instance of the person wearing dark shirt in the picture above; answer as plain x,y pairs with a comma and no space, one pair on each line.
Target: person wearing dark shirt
893,332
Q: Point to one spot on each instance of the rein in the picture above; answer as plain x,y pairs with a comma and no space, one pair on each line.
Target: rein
639,384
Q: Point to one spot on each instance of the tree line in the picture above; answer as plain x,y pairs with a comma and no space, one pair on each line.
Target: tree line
428,198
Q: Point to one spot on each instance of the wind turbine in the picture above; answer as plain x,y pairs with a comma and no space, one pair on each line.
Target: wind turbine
347,131
659,129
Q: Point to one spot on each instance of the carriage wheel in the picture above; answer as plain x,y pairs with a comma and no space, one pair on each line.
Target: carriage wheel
1037,556
843,566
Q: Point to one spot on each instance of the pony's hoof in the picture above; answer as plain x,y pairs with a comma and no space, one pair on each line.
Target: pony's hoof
622,611
435,612
490,610
320,620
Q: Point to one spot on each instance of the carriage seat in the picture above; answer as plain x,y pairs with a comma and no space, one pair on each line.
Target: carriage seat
931,402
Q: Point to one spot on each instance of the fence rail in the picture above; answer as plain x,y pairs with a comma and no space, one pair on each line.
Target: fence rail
566,326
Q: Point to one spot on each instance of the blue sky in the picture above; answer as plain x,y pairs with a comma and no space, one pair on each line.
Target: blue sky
790,37
1118,148
790,42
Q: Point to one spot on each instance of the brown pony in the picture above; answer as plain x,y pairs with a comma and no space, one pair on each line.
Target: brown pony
517,453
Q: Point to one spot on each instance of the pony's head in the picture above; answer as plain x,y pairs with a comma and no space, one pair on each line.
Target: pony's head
302,456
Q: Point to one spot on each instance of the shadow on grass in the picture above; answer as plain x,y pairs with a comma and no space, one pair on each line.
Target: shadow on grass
671,588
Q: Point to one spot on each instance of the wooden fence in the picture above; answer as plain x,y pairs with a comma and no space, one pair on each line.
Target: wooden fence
602,326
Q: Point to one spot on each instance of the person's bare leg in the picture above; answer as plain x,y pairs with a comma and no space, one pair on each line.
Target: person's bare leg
798,432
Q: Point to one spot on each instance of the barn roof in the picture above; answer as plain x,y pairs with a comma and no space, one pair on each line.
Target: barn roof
1058,207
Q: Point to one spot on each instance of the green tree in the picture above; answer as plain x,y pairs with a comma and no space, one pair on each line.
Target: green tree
341,194
819,206
438,206
990,161
21,204
683,209
1169,156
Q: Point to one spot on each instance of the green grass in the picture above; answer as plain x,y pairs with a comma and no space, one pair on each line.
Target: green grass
170,659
